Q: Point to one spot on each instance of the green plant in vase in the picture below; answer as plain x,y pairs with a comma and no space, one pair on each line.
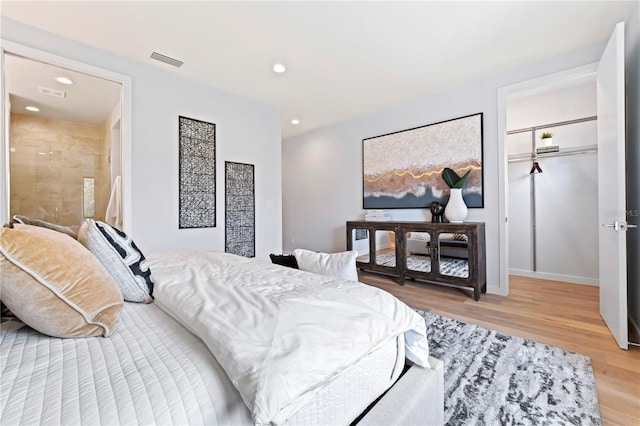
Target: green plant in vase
456,210
452,179
547,138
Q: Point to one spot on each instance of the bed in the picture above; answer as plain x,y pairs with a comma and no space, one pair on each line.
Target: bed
229,340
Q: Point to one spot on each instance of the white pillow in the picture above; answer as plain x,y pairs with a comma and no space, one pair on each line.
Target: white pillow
337,265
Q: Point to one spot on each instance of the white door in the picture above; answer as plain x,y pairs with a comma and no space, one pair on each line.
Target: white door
611,188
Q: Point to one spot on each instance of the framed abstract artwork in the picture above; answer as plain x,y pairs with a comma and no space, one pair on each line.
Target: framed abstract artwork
402,170
197,174
240,209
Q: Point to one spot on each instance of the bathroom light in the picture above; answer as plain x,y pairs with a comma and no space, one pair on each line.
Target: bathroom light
32,108
279,68
64,80
295,121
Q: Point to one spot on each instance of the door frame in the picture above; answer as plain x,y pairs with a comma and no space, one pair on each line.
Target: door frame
125,122
524,88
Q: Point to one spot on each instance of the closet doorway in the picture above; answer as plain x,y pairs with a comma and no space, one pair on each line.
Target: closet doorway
512,93
611,160
553,183
63,135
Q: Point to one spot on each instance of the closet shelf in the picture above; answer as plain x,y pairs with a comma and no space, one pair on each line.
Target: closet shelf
529,156
550,125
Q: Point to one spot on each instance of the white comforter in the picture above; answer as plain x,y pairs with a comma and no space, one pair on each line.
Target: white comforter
279,333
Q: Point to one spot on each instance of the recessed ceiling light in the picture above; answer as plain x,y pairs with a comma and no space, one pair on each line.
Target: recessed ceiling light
295,121
279,68
32,108
64,80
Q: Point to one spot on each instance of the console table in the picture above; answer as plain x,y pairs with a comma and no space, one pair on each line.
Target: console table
437,253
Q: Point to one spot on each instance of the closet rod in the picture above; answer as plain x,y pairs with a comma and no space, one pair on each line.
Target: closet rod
546,126
588,149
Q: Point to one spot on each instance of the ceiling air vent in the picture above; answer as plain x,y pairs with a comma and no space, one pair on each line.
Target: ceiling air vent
167,60
52,92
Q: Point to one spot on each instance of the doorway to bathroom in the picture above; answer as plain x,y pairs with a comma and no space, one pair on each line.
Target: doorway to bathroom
63,131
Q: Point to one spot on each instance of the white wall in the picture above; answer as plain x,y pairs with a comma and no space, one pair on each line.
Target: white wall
566,193
322,170
246,132
568,103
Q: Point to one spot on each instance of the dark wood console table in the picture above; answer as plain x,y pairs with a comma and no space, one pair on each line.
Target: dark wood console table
437,253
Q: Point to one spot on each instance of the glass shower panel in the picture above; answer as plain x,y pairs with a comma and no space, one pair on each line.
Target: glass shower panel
49,184
58,170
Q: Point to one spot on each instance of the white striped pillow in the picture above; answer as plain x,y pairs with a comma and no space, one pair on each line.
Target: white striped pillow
121,257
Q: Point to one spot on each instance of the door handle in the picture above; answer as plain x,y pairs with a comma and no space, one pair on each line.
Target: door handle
615,225
619,226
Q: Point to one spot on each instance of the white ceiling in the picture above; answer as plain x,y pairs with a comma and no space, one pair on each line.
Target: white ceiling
88,100
344,59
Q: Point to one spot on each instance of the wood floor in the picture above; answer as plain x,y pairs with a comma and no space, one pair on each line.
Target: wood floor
558,314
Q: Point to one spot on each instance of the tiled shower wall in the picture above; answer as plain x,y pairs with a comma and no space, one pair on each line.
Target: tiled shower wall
49,160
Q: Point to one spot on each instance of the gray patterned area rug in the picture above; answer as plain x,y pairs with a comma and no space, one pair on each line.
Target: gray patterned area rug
492,378
448,265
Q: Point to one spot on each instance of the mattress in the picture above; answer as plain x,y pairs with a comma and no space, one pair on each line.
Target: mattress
153,371
341,401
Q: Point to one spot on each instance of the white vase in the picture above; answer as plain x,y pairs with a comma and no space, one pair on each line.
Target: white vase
547,141
456,210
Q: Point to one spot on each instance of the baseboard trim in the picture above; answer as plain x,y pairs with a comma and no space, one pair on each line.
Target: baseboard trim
555,277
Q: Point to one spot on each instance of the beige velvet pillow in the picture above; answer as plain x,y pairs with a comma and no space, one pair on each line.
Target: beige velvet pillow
55,285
